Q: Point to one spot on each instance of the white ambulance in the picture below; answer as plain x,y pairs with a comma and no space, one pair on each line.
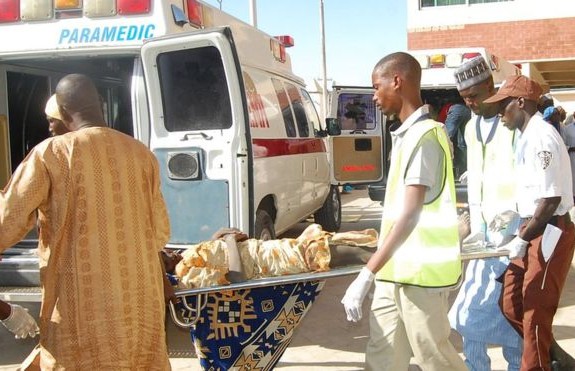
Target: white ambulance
235,132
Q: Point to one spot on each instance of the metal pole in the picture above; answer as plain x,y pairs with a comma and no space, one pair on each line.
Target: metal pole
323,64
253,13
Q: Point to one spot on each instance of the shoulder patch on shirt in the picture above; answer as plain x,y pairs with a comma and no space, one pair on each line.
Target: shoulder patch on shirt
545,158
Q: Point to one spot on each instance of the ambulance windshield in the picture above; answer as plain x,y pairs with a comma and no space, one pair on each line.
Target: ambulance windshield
194,90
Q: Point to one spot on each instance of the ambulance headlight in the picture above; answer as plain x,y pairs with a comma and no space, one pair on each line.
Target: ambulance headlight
183,166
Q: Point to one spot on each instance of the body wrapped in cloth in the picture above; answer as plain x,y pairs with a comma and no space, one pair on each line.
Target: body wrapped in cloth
207,264
250,329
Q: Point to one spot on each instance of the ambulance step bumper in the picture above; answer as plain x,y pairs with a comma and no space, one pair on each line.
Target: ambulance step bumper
20,294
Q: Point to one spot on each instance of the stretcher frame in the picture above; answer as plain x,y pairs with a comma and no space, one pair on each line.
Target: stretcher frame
469,252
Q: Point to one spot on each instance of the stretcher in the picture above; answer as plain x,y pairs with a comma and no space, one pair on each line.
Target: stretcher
469,252
230,334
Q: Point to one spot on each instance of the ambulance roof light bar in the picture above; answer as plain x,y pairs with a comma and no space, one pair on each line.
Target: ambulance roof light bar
468,56
278,49
423,60
195,13
59,4
106,8
129,7
453,60
99,8
39,10
439,60
286,40
9,11
278,45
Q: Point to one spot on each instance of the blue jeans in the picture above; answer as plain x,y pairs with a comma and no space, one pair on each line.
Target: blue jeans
477,359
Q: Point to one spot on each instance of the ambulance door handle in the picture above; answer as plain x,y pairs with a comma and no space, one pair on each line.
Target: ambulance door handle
203,135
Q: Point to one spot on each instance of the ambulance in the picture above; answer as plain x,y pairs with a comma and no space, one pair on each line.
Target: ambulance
355,127
237,136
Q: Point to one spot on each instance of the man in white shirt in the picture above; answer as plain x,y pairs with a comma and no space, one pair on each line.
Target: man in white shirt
475,314
539,265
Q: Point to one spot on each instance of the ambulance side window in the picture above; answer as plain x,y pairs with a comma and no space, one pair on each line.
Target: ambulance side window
312,115
298,110
194,90
283,100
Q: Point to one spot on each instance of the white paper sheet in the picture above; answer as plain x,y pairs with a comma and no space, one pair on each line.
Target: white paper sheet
551,236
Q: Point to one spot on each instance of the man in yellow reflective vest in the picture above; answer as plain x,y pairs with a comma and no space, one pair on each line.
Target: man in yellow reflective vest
418,258
475,313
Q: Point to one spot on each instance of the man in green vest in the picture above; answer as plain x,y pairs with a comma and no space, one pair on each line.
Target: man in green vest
418,258
475,313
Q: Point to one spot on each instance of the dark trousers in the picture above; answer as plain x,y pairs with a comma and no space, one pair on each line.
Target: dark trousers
531,292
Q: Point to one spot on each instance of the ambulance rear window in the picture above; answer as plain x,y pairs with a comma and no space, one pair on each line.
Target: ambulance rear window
194,90
356,111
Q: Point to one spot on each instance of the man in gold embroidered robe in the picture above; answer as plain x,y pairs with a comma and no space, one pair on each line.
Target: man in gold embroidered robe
95,193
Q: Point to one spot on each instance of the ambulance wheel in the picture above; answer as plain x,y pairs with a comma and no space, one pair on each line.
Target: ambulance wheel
329,216
264,229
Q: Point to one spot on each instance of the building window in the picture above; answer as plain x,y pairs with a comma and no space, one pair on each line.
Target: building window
430,3
486,1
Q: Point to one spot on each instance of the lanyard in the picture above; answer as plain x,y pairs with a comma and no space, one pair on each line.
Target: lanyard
491,132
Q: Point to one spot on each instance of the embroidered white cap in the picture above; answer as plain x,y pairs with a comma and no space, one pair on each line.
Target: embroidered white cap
471,73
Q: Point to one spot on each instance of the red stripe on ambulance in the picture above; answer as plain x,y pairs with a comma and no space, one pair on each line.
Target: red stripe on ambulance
286,147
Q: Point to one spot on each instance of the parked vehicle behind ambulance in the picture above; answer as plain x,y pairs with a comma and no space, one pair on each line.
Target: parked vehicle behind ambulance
215,99
358,139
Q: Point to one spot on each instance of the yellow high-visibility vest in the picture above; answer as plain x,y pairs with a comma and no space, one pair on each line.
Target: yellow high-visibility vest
430,257
491,177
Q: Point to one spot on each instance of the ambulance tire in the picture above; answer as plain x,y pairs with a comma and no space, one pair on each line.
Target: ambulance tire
329,216
264,229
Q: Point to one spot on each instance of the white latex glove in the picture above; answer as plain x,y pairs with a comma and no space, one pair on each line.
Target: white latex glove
463,178
516,247
355,293
20,322
474,238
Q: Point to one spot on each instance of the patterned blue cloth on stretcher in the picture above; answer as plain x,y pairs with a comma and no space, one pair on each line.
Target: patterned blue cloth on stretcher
250,329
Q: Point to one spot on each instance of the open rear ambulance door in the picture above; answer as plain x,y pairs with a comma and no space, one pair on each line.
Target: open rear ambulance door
198,132
357,153
5,169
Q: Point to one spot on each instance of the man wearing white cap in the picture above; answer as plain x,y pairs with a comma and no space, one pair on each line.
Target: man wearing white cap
56,126
475,313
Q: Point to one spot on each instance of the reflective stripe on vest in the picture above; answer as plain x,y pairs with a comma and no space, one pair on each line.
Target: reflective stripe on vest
491,178
430,257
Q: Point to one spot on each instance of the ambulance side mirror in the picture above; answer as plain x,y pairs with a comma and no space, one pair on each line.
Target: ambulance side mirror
333,126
